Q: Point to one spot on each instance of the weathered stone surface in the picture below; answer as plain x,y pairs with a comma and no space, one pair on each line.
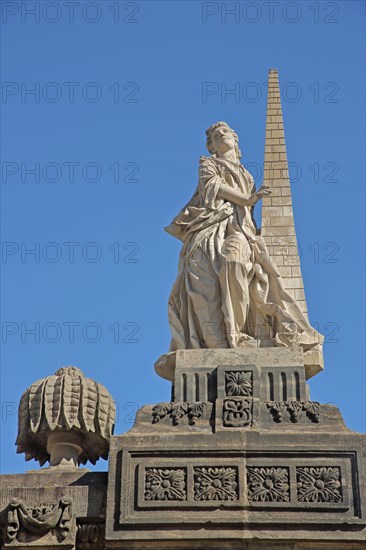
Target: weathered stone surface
255,462
43,526
86,489
253,459
90,536
237,485
181,360
78,494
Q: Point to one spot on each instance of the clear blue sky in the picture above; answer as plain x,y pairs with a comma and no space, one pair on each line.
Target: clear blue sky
122,87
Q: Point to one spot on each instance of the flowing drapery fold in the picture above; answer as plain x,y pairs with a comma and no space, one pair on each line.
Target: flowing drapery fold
225,275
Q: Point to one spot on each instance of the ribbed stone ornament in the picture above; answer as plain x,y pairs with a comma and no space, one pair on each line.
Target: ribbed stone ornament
66,419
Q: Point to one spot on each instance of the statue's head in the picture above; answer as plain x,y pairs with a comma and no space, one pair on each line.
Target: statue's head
220,135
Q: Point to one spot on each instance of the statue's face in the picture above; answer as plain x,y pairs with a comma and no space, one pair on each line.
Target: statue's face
222,139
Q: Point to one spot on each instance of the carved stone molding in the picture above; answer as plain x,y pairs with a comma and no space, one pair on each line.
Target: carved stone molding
319,484
90,536
268,484
38,520
294,409
277,409
176,411
237,412
165,484
215,484
312,409
238,383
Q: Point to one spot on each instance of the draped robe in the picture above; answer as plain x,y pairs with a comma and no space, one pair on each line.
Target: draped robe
225,275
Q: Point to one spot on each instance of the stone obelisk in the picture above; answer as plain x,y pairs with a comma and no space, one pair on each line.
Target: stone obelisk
278,227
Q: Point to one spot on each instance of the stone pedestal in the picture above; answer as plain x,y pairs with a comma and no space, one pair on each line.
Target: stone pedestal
312,362
240,458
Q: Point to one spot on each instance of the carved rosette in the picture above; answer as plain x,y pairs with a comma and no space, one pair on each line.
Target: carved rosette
268,484
238,383
165,484
215,484
65,412
319,484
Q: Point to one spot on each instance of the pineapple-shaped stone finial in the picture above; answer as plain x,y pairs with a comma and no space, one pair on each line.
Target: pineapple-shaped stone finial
66,419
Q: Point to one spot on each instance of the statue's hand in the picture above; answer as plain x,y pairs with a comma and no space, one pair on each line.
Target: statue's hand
263,191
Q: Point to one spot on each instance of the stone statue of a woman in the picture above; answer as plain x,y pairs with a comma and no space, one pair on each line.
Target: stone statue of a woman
226,279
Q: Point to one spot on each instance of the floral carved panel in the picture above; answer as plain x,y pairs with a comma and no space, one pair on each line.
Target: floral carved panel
268,484
319,484
216,483
238,383
167,484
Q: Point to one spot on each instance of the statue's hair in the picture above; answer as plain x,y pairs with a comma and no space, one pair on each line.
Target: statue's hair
209,144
